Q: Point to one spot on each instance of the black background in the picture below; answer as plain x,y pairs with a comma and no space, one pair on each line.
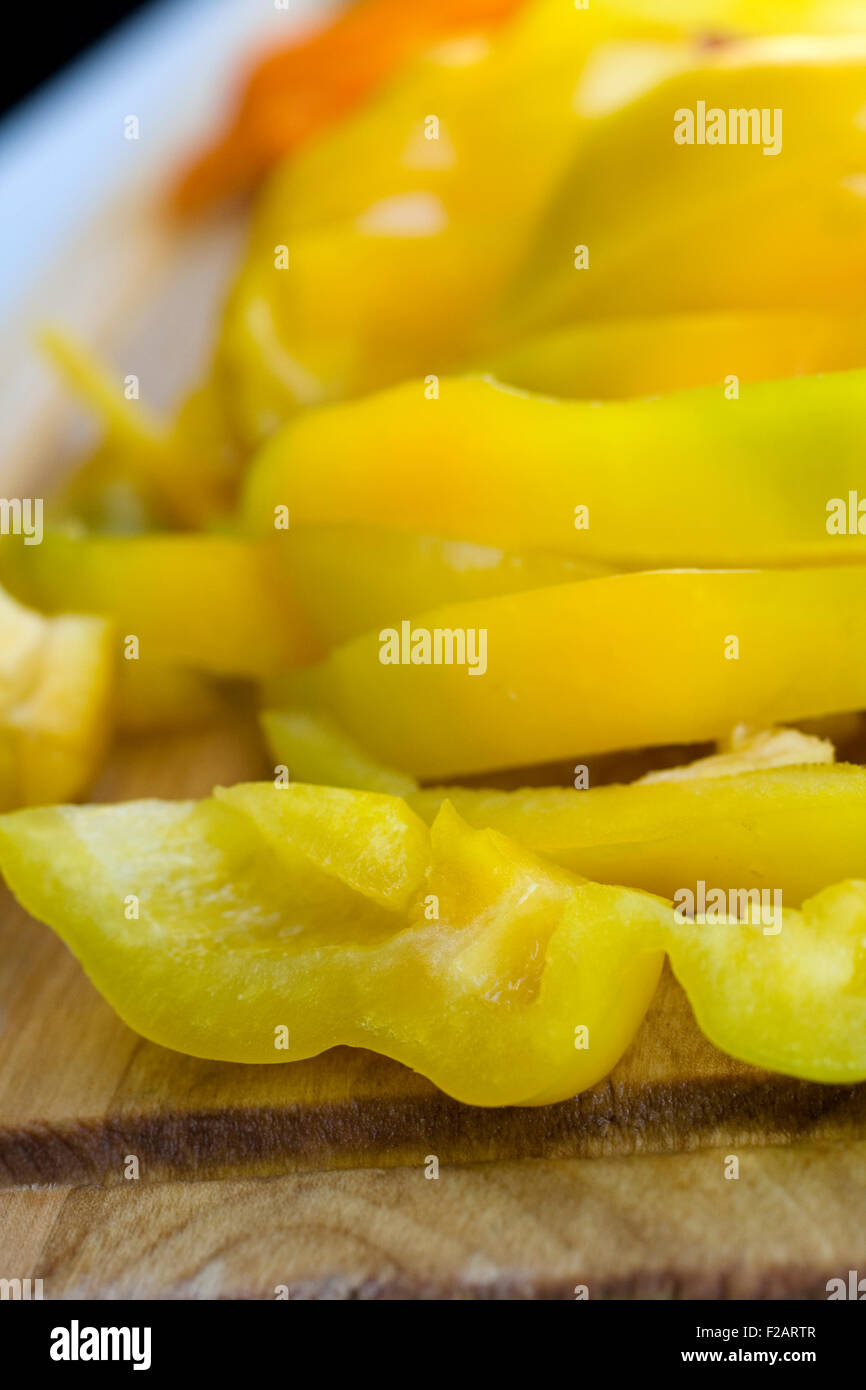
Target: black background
48,37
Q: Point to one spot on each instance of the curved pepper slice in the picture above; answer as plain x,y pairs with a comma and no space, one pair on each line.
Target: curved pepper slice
792,828
55,703
211,603
350,579
636,660
614,359
315,749
748,210
794,824
790,997
234,944
427,278
399,244
507,980
689,479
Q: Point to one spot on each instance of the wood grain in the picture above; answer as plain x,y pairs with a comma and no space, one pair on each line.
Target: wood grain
653,1227
79,1092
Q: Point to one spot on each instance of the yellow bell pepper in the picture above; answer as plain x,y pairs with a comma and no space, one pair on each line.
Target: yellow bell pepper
241,953
315,749
349,579
775,813
636,660
790,997
55,703
792,828
244,929
613,359
720,223
396,242
689,479
210,603
393,248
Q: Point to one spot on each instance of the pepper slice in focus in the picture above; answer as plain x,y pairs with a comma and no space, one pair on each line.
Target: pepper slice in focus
630,661
503,978
236,946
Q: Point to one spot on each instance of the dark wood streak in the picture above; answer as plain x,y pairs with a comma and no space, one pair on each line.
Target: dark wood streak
607,1120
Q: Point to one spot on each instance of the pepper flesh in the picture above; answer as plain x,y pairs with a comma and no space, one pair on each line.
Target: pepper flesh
350,579
426,275
689,479
177,474
396,255
526,985
234,943
636,660
613,359
315,749
55,701
212,603
792,828
710,191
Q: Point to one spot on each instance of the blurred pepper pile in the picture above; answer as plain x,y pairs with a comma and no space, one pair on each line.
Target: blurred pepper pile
504,355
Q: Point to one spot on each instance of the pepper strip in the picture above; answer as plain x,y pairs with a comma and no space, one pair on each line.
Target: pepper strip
726,200
315,749
690,479
795,826
633,661
427,278
792,828
614,359
212,603
350,579
234,943
507,981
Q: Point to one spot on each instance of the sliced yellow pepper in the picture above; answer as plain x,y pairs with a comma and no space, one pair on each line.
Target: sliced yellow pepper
610,359
709,223
792,828
422,259
397,243
790,996
234,929
774,812
636,660
315,749
212,603
689,479
207,941
349,579
55,703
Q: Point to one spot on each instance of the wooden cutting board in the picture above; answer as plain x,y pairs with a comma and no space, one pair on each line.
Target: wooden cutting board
622,1188
311,1175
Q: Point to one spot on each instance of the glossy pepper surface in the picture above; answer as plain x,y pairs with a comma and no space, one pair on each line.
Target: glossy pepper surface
505,979
689,479
635,660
